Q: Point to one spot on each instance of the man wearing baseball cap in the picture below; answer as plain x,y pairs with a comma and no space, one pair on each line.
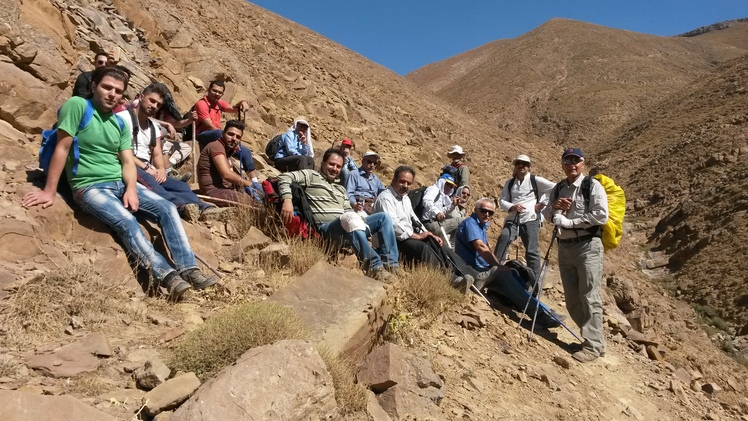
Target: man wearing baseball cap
580,250
363,186
523,197
457,169
349,165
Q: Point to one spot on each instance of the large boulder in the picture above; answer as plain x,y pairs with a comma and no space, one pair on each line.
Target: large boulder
344,309
21,406
284,381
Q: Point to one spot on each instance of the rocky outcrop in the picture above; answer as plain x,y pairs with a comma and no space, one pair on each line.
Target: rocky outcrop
21,406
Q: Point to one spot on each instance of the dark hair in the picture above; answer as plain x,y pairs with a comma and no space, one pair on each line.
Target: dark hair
330,152
101,53
156,88
402,169
115,72
237,124
216,82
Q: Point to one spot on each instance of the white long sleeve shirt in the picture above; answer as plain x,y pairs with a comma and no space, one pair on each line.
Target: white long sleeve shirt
582,218
522,194
399,209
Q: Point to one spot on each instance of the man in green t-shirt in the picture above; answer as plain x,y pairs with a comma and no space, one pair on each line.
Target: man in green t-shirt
104,183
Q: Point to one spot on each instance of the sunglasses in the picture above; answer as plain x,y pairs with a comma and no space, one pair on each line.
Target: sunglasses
571,160
486,211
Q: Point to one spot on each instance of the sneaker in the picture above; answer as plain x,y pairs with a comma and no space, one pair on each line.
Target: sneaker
584,356
382,275
184,177
463,283
176,286
190,212
197,279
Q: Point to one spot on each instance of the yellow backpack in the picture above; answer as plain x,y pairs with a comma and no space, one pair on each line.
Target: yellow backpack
613,229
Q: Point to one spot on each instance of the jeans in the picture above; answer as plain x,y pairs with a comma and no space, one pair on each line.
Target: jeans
510,285
104,201
380,224
529,234
242,152
177,192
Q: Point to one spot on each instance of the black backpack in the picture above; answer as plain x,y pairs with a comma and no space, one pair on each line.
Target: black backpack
453,171
416,200
187,133
527,275
273,146
533,182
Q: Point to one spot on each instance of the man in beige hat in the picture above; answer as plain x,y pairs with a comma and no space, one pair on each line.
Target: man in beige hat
523,197
457,169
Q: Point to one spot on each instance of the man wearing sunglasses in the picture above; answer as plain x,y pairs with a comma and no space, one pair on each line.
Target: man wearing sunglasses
523,197
580,250
82,87
472,247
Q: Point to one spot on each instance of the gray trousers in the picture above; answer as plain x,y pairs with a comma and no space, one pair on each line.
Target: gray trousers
450,227
529,234
581,269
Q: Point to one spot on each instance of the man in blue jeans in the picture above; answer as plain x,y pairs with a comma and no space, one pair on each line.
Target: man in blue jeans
472,247
101,172
335,219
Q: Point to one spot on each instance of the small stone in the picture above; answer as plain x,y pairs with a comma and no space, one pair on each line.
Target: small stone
677,389
633,412
151,374
563,362
711,388
170,394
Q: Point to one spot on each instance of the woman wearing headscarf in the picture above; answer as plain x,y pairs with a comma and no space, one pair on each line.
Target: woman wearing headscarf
438,205
461,208
295,151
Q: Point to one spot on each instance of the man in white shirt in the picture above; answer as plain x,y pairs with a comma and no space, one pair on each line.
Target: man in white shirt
523,197
150,163
415,247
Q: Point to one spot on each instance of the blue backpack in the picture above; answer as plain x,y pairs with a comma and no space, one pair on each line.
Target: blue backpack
49,139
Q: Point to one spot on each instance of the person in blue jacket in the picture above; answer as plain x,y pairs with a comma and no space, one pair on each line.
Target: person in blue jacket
295,151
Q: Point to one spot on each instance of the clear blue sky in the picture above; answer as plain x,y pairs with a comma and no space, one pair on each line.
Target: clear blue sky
404,35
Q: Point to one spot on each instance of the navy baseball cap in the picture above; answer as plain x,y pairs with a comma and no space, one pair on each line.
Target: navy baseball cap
572,152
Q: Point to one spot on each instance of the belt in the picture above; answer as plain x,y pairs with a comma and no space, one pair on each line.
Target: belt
577,239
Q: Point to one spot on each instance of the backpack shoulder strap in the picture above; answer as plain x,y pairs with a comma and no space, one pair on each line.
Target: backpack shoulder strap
135,125
152,127
586,191
509,188
534,184
87,116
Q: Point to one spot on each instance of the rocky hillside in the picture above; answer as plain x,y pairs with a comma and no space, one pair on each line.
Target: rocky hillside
568,81
94,335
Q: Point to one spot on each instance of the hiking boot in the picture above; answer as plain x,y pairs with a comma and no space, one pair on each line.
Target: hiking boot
394,270
463,283
382,275
197,279
211,213
176,286
190,212
576,346
584,356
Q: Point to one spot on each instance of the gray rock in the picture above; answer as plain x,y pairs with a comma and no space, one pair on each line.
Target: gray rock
284,381
151,374
170,394
20,406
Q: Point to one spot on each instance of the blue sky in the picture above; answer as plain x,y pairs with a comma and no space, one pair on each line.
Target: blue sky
404,35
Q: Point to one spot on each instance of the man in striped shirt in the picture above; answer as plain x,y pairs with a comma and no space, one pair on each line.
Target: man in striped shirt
336,221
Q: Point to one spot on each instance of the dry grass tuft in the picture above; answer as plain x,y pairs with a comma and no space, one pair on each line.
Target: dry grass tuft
264,218
351,396
39,310
227,335
88,385
305,253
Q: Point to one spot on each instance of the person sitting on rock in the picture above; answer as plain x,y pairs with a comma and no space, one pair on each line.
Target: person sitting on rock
295,151
336,221
101,170
472,247
463,195
456,168
82,86
150,163
363,185
349,164
421,247
208,128
438,205
215,174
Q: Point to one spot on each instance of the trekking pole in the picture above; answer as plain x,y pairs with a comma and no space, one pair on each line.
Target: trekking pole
194,150
444,233
538,277
203,261
475,288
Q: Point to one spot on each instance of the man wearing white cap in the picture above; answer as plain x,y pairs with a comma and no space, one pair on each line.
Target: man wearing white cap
363,185
457,169
523,197
295,151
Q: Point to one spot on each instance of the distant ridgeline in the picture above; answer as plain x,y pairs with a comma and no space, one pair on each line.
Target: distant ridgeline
713,27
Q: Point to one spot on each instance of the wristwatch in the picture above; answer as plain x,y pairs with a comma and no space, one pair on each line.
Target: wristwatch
147,166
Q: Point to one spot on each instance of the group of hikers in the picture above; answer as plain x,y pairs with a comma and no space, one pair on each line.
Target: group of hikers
118,167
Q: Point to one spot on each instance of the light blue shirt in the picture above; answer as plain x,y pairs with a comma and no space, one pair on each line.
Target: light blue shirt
361,186
290,146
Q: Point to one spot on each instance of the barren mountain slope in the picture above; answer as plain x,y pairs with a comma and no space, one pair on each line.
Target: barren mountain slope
733,33
686,160
574,82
